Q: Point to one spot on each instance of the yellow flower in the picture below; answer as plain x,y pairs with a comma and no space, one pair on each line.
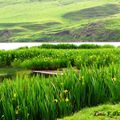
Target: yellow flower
55,100
65,91
17,112
18,107
61,95
114,79
14,95
81,77
66,100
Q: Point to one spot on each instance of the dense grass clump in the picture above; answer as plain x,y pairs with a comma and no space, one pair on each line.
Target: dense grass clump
33,98
88,46
72,46
45,63
108,46
97,60
42,58
59,46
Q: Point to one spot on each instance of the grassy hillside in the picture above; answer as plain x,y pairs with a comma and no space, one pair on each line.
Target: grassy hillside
103,112
59,20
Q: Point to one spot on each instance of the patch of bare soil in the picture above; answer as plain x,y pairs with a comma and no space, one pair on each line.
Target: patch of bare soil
96,32
5,35
89,30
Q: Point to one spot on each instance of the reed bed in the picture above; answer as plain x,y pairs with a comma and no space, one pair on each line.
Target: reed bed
33,98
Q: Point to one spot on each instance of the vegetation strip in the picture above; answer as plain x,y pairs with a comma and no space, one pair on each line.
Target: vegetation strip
54,97
33,97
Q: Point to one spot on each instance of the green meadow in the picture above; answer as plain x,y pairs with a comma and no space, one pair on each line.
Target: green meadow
59,20
87,89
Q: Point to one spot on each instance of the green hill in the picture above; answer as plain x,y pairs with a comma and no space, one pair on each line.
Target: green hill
102,112
59,20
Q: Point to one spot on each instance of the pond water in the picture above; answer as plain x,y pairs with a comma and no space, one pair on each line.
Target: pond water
9,46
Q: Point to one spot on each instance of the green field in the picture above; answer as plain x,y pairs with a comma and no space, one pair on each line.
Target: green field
87,89
59,20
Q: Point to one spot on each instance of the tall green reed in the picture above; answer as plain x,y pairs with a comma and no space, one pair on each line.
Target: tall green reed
33,98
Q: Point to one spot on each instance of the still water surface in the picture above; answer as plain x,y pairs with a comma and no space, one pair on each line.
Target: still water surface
9,46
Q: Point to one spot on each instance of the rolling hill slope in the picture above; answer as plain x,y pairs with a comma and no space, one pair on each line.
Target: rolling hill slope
59,20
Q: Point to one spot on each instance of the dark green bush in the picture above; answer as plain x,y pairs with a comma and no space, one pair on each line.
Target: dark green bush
59,46
88,46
